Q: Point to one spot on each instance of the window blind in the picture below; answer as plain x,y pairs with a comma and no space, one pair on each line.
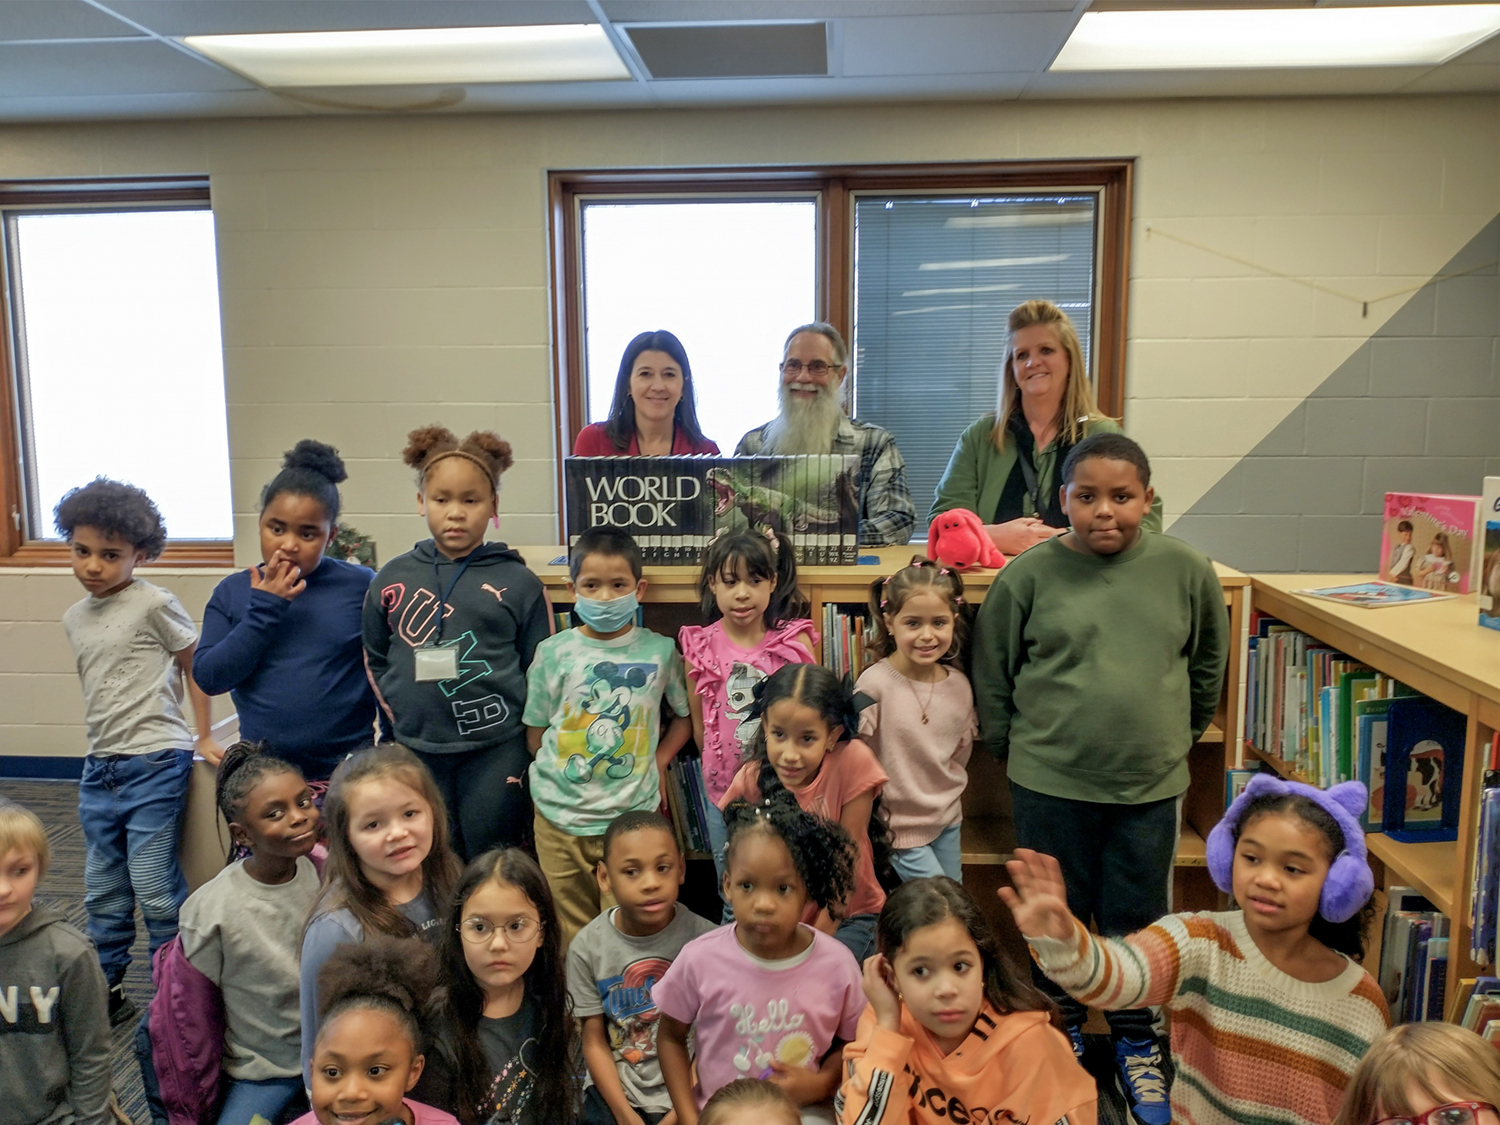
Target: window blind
935,279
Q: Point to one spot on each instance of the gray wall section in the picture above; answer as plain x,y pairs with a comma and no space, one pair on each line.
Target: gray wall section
1415,409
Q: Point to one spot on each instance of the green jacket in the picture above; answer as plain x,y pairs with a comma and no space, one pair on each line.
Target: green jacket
1095,674
977,472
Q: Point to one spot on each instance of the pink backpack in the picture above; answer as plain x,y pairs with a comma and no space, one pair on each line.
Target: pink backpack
187,1036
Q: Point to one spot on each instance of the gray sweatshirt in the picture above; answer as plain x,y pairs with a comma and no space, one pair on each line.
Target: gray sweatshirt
54,1025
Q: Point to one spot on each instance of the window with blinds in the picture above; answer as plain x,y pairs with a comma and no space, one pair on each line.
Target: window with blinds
935,277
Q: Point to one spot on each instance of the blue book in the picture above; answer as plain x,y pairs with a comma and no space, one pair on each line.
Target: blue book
1425,749
1483,904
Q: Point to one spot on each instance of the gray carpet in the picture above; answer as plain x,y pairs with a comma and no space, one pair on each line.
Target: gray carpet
56,803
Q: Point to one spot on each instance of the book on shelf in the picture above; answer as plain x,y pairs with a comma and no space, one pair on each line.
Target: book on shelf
1375,595
674,505
1425,746
1485,899
1488,534
844,634
687,803
1429,542
1413,956
1477,1004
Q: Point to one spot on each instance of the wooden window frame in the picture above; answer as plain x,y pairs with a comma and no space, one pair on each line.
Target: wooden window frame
835,187
138,192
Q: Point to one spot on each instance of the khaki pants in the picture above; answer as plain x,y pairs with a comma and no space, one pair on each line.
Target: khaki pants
569,863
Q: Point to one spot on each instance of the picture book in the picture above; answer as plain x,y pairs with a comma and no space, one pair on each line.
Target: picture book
673,506
1485,899
1425,745
1375,595
1489,554
1428,542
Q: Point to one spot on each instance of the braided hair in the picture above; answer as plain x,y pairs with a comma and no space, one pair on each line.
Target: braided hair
821,850
832,697
244,766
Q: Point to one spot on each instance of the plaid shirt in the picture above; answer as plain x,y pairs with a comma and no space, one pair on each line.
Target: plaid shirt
886,514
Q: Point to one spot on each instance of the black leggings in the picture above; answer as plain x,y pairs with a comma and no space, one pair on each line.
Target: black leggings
1116,862
489,805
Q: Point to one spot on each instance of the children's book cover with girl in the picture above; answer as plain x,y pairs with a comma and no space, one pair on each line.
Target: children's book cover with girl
1428,541
1271,1010
374,1033
766,997
390,869
283,639
1489,548
509,1044
804,748
243,928
953,1032
450,629
757,623
916,711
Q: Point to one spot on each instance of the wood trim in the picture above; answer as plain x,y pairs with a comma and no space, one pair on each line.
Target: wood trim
142,192
835,185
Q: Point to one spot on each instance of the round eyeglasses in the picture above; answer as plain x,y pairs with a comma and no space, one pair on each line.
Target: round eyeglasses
794,367
481,931
1454,1113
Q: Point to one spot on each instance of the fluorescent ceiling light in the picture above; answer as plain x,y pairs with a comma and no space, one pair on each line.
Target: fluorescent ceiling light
419,56
1201,39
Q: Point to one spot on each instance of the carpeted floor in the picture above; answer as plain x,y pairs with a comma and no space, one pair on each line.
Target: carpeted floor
56,802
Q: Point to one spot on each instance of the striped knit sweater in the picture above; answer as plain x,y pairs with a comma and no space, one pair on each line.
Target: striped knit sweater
1252,1045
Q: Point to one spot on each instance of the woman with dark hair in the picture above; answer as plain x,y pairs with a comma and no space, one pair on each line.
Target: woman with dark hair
654,411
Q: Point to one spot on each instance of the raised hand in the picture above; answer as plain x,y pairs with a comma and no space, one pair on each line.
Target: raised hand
279,576
1038,898
878,981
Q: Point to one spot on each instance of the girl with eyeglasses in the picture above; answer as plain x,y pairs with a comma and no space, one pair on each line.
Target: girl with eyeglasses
1424,1074
509,1052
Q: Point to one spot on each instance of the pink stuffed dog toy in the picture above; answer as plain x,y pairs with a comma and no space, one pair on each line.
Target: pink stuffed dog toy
957,538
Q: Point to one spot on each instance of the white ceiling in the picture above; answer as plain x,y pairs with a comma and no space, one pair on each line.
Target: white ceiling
111,59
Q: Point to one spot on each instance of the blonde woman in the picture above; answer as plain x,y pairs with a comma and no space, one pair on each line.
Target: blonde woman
1424,1074
1004,467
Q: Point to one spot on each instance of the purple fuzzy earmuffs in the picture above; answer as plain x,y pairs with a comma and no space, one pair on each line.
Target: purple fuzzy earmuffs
1350,880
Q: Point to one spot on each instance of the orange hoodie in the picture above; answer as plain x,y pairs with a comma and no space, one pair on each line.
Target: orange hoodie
1010,1070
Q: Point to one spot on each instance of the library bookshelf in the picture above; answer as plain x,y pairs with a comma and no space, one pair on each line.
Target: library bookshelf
988,837
1439,649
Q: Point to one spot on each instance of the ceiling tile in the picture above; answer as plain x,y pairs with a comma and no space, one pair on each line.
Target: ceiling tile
57,19
228,17
142,67
699,11
128,107
744,50
1333,82
953,44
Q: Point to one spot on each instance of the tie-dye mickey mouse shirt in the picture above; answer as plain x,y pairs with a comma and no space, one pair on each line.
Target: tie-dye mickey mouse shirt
600,702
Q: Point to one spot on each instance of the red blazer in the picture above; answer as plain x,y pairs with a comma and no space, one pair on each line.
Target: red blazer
592,441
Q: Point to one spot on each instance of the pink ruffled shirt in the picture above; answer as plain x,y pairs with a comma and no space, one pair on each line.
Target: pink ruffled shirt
724,676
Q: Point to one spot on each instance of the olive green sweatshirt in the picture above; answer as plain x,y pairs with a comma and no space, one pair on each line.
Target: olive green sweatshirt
1097,673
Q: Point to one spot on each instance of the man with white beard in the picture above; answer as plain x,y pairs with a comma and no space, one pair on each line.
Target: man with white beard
812,420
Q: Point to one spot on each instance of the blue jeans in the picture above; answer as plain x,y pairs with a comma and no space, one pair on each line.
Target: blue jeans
130,807
857,935
717,838
941,857
271,1098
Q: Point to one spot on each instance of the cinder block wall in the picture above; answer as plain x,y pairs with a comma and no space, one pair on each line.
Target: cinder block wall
380,273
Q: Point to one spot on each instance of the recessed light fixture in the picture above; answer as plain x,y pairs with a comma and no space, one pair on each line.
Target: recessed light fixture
1253,38
419,56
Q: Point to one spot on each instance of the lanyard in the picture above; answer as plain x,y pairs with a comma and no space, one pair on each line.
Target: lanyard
443,595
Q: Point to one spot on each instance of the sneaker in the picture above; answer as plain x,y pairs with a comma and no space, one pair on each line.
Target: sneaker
1075,1037
1139,1065
122,1008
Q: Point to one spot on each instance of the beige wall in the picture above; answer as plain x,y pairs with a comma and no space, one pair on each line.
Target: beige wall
381,273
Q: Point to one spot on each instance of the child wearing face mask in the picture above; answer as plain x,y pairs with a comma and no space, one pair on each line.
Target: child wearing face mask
593,721
450,628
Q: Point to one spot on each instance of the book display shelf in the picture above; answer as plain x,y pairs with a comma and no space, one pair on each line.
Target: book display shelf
1439,650
671,601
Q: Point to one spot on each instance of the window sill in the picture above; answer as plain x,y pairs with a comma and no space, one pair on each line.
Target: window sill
205,554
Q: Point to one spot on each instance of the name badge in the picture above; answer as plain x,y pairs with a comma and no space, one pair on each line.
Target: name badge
435,664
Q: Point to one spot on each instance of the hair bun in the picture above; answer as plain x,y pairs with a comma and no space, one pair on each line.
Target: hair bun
318,457
403,971
493,447
424,441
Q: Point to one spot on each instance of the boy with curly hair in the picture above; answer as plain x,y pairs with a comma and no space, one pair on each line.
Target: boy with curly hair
134,646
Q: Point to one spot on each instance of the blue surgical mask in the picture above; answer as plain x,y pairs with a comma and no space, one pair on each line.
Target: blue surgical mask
606,615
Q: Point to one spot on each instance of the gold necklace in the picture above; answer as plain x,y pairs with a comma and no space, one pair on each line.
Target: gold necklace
911,683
